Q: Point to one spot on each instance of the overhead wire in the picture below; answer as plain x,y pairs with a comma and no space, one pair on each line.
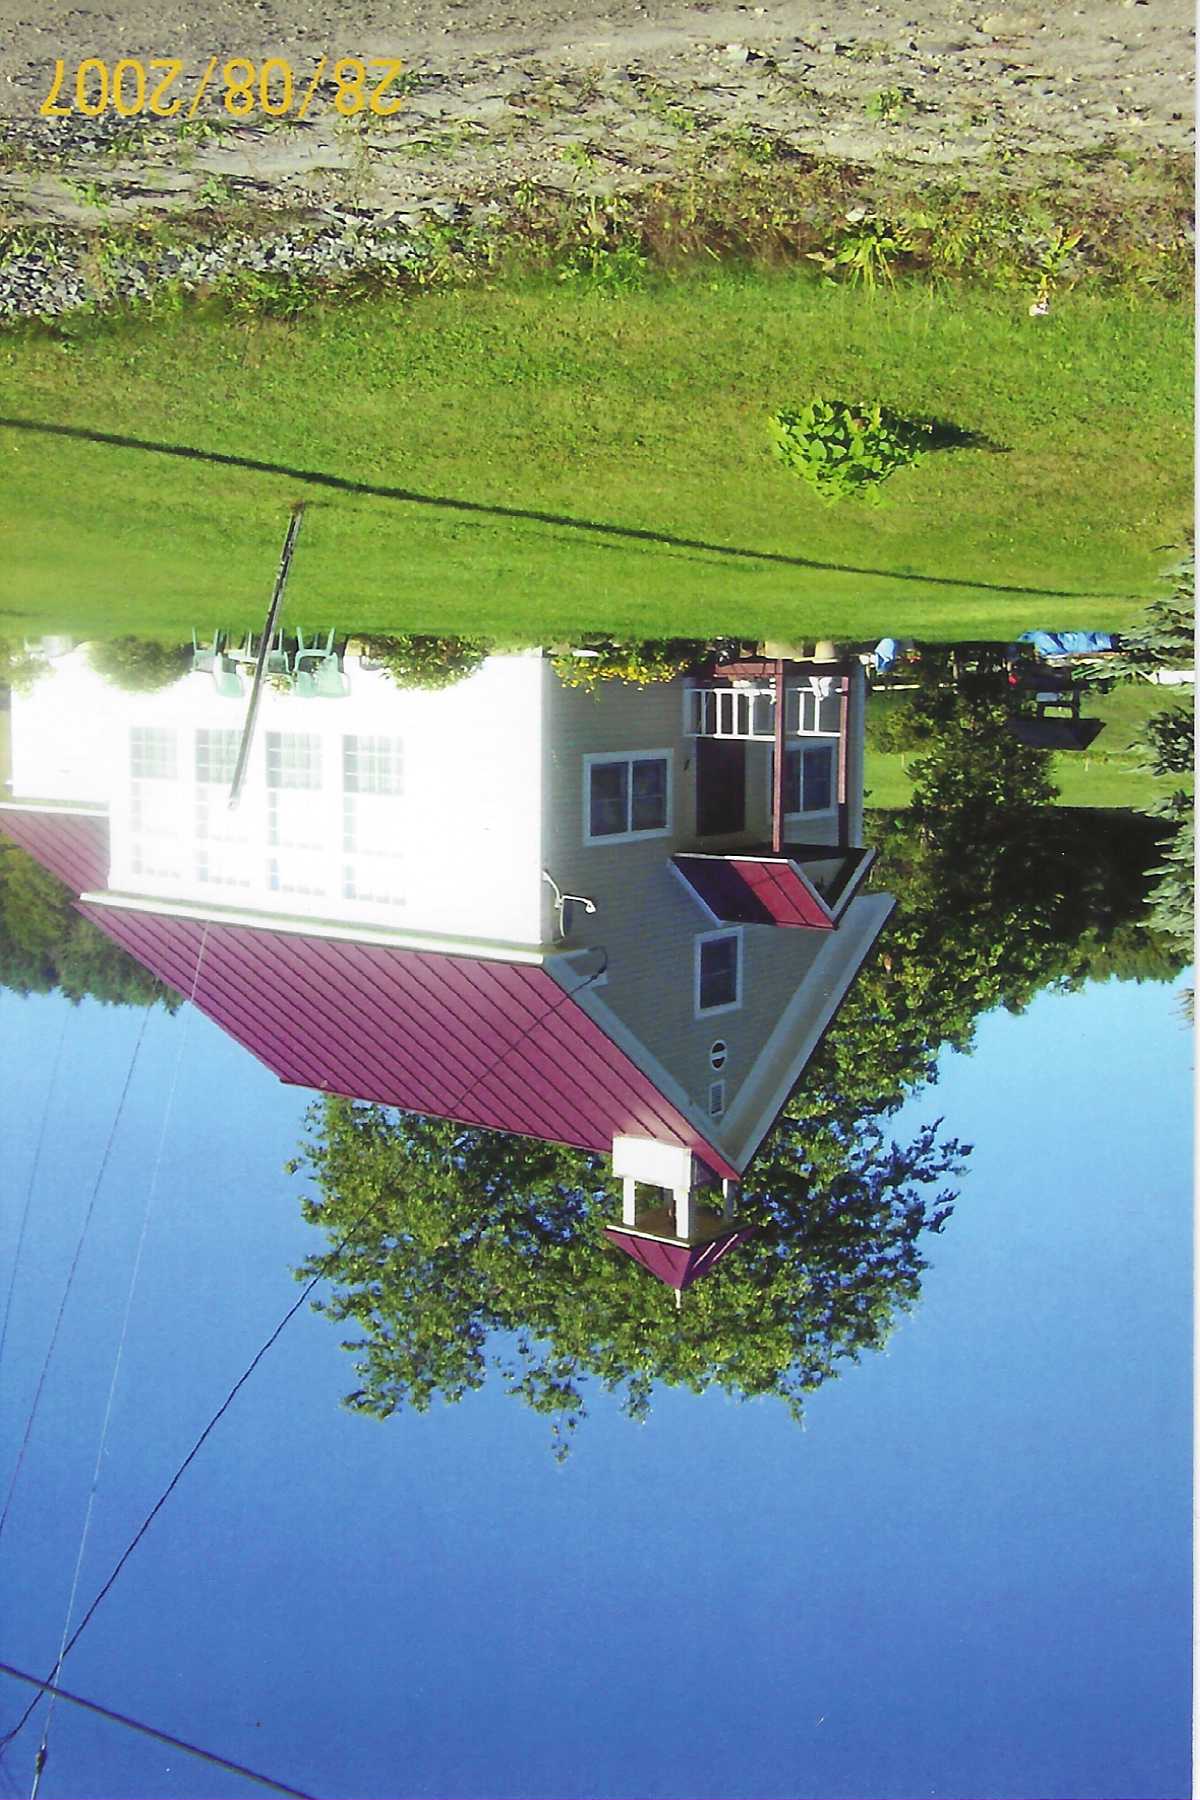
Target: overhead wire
183,1467
326,1262
81,1239
37,1157
153,1731
151,1194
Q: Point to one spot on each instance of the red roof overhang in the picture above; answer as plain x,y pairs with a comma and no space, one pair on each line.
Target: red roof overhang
679,1265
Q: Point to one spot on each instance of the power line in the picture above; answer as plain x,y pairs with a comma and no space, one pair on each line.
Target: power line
536,1024
83,1231
164,1737
326,1262
150,1517
37,1157
120,1354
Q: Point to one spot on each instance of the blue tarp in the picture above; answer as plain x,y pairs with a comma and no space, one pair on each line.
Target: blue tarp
1068,643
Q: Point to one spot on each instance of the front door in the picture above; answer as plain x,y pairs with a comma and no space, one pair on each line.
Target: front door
720,786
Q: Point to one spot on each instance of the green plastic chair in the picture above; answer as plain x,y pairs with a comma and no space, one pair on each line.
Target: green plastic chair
226,680
204,656
246,655
326,682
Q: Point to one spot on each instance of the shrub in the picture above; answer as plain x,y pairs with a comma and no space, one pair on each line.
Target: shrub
606,255
841,450
895,730
138,664
640,664
428,662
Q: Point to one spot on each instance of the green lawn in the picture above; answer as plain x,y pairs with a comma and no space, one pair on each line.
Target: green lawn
559,461
1102,775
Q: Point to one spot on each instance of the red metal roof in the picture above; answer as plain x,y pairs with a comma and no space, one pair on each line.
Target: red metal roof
73,846
493,1044
754,890
679,1265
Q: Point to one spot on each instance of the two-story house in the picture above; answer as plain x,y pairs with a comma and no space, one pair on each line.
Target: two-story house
619,919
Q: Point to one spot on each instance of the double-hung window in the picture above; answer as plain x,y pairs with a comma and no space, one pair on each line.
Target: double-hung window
224,856
372,820
626,796
156,847
297,837
718,972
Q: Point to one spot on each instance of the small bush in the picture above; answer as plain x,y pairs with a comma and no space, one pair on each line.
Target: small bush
843,450
267,294
606,255
895,730
427,662
139,665
640,664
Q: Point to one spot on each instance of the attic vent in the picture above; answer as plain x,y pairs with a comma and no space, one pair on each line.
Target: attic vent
716,1054
716,1099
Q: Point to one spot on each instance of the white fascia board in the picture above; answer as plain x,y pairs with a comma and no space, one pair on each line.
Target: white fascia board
841,956
342,930
81,809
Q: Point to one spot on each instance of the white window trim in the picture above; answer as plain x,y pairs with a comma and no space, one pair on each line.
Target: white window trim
805,743
245,869
708,937
630,757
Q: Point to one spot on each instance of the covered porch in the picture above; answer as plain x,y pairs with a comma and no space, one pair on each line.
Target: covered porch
787,722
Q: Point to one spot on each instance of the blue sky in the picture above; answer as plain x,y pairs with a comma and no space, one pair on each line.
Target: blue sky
968,1574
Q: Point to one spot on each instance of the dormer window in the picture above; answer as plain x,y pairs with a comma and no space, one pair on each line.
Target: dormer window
718,972
626,797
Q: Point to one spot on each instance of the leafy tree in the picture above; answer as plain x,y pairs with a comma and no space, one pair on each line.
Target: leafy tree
46,945
19,668
140,665
460,1252
1000,894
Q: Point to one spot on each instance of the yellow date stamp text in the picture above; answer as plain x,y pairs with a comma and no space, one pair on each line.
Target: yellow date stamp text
131,86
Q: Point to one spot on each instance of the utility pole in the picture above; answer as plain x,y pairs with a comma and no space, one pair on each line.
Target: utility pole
281,575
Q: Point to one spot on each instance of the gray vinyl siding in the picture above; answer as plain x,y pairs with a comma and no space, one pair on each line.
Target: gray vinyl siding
647,919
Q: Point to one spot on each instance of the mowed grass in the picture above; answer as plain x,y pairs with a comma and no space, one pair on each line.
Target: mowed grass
531,462
1105,774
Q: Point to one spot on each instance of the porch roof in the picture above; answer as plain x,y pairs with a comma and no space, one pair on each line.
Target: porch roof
679,1265
760,887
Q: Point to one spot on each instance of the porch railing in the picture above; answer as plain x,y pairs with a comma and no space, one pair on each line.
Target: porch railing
745,711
